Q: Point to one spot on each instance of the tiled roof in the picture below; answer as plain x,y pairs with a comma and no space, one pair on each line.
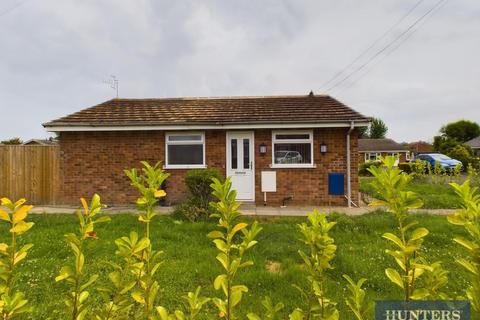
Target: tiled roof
474,143
366,145
215,111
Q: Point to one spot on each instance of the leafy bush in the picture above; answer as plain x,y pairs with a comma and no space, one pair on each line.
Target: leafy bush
469,218
406,167
363,171
198,183
196,205
462,153
12,301
74,274
392,184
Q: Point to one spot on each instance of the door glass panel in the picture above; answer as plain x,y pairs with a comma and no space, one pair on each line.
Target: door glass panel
233,146
246,153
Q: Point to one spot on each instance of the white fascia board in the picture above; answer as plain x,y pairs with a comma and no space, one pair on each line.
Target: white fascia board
206,127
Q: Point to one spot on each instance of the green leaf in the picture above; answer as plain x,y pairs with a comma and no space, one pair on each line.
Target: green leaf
220,281
238,227
21,214
466,243
419,294
419,233
215,234
4,215
65,272
21,227
253,316
394,276
138,297
163,313
83,296
92,279
394,239
467,265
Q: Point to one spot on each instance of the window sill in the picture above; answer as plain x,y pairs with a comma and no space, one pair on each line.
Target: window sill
293,166
186,166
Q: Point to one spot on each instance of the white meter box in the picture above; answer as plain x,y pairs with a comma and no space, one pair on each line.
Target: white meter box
269,181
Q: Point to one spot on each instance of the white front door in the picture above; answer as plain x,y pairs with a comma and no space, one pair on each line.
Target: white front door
240,164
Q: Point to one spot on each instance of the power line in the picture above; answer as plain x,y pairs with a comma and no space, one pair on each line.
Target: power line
389,52
8,10
374,43
386,47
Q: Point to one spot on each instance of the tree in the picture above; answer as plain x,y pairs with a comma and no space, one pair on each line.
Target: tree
462,153
12,141
363,132
378,129
462,130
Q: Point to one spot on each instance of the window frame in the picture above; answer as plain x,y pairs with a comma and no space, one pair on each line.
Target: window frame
187,142
292,141
367,156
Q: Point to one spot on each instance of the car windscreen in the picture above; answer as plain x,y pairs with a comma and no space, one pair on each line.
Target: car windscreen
440,157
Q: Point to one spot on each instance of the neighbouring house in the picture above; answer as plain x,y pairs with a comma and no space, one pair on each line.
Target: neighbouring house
475,145
301,148
40,142
420,147
372,149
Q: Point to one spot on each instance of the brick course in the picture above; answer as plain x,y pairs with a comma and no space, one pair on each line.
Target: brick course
94,162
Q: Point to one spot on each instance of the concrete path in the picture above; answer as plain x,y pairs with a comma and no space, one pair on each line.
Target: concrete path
246,209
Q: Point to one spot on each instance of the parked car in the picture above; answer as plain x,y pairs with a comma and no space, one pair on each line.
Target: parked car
288,157
446,162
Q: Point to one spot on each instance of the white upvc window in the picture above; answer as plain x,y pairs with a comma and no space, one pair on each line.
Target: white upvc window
292,149
407,156
372,156
185,150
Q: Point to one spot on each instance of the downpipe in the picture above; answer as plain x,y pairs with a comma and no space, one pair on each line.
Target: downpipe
349,160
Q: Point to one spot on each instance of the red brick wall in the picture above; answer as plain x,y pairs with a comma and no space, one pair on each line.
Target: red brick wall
94,162
309,186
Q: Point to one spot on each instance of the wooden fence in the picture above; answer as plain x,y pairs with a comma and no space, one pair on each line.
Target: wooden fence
30,172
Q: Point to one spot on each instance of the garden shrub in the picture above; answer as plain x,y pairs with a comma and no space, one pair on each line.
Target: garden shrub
469,218
363,170
12,301
462,153
74,274
196,205
392,184
406,167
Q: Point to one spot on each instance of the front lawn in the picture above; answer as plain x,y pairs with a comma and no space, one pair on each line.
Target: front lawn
190,259
434,196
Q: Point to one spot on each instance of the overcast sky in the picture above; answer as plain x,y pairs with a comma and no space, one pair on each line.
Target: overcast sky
55,55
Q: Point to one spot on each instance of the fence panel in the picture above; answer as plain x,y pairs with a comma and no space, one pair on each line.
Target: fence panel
30,172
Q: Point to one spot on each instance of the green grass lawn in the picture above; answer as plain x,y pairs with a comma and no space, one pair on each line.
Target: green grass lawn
190,259
434,196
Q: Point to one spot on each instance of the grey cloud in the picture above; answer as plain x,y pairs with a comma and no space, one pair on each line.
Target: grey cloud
55,55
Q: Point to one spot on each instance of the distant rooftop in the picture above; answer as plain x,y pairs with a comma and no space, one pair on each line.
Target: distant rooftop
474,143
379,145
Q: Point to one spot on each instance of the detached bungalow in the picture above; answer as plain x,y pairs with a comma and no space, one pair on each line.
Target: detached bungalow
303,149
475,145
372,149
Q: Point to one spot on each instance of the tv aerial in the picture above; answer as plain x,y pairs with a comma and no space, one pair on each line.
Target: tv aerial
113,83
